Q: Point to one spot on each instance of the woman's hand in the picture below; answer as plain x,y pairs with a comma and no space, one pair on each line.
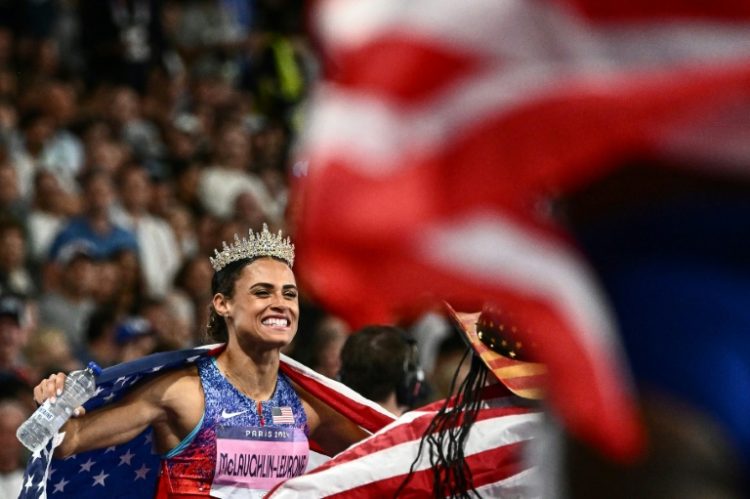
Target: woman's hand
51,388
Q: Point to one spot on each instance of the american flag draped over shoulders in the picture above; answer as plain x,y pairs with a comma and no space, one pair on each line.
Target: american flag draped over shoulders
444,129
130,470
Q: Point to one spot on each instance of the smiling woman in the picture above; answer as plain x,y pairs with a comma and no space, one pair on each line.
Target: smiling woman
227,424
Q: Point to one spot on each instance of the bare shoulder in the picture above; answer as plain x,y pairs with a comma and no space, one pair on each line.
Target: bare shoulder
164,387
180,395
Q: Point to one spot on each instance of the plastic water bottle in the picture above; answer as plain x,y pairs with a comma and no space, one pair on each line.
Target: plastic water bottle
44,424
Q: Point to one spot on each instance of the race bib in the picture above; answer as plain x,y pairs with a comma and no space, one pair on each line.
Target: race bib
250,461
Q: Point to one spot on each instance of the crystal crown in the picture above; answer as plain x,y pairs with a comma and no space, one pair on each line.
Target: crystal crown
255,245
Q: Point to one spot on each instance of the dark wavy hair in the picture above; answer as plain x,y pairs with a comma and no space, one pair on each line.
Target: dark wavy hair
445,437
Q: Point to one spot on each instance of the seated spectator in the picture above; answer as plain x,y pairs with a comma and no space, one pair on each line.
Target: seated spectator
95,225
381,363
12,203
135,337
230,175
329,336
15,277
133,129
68,305
159,254
50,209
12,453
100,337
48,351
47,146
13,337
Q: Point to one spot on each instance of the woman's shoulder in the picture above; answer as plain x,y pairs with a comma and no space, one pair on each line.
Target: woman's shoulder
183,381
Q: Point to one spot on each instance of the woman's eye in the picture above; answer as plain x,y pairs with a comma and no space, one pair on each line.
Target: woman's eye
291,294
262,293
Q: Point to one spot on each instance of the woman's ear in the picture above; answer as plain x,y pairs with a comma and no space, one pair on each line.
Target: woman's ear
220,304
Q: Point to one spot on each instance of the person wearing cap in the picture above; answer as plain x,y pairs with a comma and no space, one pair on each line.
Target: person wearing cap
478,443
135,337
95,224
68,306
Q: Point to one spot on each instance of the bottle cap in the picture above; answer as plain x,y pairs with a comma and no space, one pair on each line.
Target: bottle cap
94,368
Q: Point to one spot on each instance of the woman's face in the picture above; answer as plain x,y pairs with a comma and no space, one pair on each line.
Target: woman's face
265,306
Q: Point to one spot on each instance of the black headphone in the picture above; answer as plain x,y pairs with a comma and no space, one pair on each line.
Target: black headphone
412,388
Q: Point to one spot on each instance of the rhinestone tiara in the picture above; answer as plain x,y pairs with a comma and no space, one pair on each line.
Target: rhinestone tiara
255,245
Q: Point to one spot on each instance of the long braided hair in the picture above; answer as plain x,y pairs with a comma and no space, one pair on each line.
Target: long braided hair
445,437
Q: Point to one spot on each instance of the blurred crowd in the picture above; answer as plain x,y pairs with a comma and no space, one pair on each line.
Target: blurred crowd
135,137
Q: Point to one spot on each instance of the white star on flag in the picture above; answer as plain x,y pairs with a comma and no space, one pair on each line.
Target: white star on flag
125,458
36,455
142,472
87,465
99,479
60,486
29,482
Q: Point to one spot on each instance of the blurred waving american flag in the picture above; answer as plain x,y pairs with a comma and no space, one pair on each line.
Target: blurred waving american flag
444,132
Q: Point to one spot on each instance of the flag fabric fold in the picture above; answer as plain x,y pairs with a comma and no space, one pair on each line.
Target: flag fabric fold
444,132
496,451
130,470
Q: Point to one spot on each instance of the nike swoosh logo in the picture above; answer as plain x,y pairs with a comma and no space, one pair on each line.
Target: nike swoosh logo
227,415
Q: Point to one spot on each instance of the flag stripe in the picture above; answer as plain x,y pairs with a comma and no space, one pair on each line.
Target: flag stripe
494,434
506,463
411,428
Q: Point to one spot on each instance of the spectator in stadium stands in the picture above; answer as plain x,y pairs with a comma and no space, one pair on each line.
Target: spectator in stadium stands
132,128
122,40
15,277
95,224
49,351
101,346
11,202
194,280
50,210
229,175
330,334
13,337
67,306
382,363
12,453
158,259
135,337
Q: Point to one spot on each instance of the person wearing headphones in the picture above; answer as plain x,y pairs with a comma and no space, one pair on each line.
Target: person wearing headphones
382,363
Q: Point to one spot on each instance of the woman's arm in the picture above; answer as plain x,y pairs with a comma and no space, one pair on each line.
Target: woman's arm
155,403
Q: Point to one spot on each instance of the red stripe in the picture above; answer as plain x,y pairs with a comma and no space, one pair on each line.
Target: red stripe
525,382
661,10
487,467
402,68
412,431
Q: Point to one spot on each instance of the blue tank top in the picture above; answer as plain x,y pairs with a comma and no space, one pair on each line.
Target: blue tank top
188,469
